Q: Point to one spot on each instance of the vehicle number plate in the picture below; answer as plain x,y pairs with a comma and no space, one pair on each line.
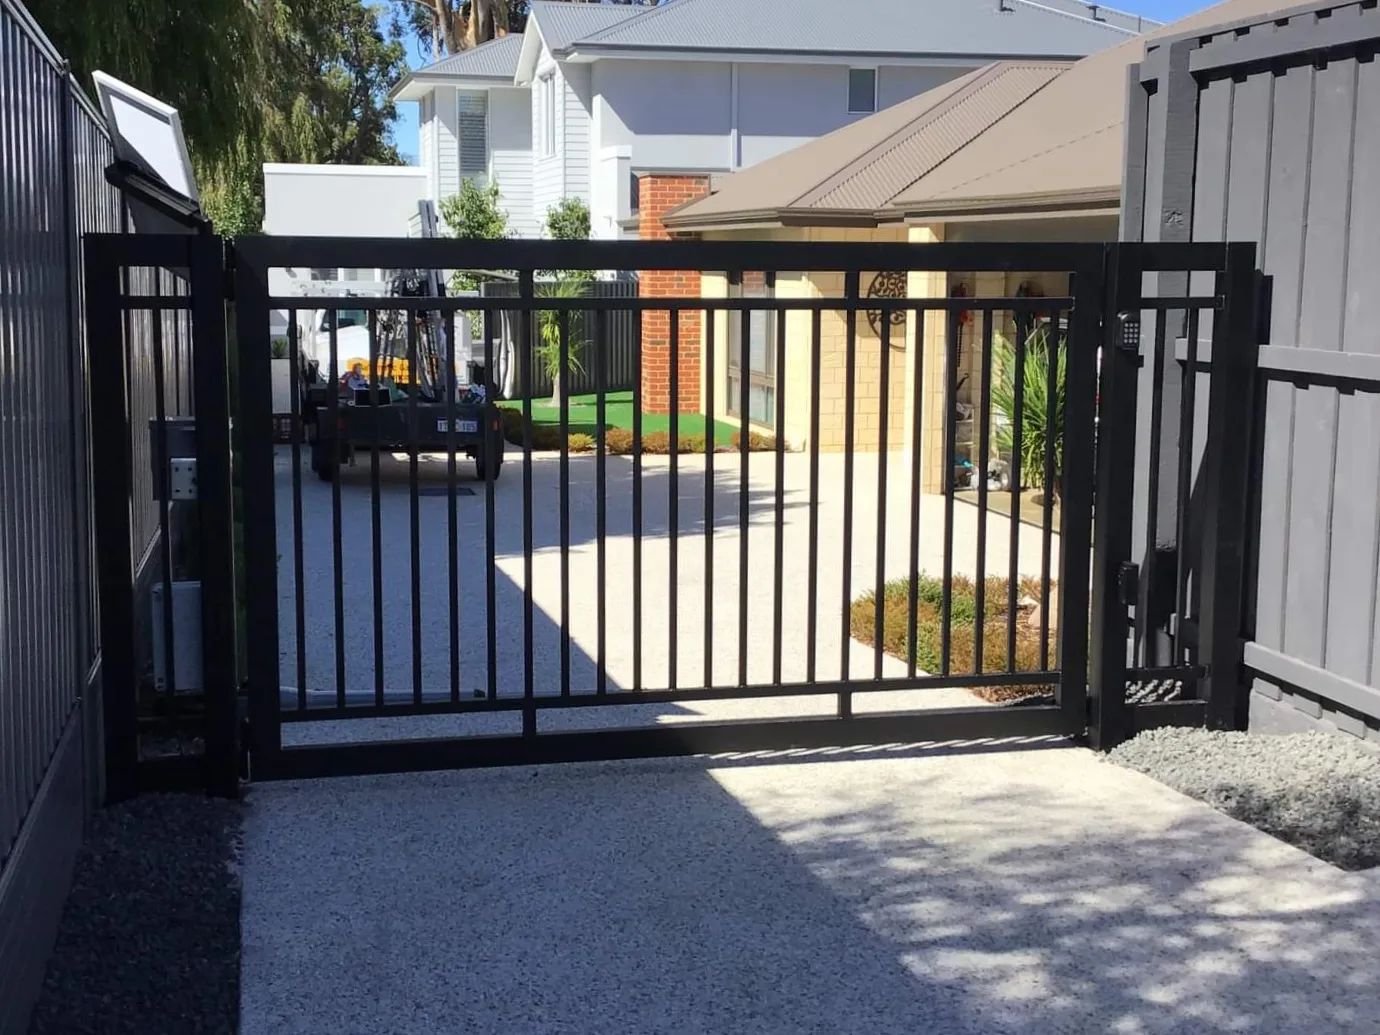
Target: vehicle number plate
461,426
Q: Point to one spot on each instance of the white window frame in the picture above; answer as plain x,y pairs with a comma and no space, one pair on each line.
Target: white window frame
547,104
848,86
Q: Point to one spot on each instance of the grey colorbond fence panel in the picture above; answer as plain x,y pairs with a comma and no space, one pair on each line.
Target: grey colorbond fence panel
619,333
1285,115
53,154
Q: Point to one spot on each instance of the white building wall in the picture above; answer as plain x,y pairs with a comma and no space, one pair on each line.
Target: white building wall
510,157
548,171
336,201
673,114
896,83
447,144
426,141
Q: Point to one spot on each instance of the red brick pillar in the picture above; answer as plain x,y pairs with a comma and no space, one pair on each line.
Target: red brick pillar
658,195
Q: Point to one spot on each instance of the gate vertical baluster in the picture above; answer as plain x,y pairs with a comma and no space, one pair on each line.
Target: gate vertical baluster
1184,534
298,562
601,504
1049,477
375,506
453,544
779,399
711,322
946,601
637,500
917,390
850,321
812,564
744,445
492,452
984,445
414,499
563,375
1024,323
673,400
884,415
526,319
334,462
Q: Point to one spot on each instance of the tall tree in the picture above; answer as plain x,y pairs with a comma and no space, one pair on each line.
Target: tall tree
450,26
327,100
206,59
254,80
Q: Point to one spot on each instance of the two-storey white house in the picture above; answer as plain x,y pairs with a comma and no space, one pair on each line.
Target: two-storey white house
594,96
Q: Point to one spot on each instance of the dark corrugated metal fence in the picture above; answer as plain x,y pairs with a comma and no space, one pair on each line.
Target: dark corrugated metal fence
53,152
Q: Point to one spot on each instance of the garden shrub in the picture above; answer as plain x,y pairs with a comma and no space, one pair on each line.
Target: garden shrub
579,442
757,442
962,628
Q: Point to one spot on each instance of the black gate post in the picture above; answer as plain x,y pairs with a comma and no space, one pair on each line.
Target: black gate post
210,386
1225,479
1076,480
1112,579
111,479
254,429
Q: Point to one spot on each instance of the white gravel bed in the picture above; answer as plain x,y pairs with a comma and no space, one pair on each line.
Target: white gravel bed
1318,791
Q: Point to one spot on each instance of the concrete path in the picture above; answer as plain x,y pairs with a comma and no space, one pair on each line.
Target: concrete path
1036,890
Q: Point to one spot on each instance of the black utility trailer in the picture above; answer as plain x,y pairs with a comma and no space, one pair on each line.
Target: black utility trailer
374,409
398,424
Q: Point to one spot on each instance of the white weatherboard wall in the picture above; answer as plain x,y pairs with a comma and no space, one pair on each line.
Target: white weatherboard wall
772,107
341,200
445,116
566,172
510,159
336,201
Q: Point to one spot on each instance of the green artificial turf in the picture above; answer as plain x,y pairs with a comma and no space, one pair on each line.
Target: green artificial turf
618,413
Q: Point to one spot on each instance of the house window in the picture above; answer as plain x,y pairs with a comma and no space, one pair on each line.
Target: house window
547,95
761,354
862,90
473,128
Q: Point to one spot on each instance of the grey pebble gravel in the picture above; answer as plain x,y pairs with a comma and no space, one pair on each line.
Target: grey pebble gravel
150,937
1317,791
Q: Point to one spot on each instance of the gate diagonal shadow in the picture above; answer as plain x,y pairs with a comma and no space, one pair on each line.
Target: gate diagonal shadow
660,622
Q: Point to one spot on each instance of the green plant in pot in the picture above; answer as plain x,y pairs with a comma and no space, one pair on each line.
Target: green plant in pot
1040,412
548,350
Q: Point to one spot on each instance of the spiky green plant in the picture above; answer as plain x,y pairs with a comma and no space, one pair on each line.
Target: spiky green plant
548,350
1041,415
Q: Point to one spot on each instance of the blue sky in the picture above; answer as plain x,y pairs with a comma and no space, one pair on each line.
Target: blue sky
405,128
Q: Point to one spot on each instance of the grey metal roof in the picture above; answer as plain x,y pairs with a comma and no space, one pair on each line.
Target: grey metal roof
496,59
562,23
854,172
1060,28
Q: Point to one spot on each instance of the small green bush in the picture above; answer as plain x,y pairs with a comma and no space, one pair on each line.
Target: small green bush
929,629
581,443
757,442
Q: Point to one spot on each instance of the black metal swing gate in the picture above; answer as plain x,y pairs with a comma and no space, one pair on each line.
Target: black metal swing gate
399,613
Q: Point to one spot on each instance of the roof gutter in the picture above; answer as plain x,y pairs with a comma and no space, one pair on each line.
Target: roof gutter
772,218
1089,201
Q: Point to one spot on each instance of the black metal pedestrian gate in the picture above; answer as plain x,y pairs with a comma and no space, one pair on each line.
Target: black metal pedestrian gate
927,534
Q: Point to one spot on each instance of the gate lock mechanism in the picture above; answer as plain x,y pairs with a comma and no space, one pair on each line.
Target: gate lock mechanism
1128,331
1128,583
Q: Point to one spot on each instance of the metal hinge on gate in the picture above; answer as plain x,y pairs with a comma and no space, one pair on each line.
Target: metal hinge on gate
1128,583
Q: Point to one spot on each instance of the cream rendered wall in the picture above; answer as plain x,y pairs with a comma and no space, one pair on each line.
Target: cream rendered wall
795,372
